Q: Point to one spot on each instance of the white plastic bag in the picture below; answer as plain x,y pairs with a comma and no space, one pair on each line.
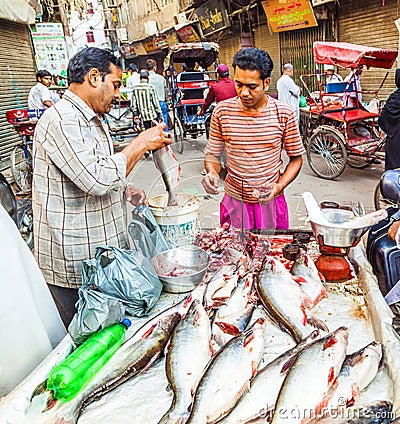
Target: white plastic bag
30,326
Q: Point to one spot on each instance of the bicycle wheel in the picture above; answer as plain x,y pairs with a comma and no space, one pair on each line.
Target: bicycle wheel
178,133
21,167
326,153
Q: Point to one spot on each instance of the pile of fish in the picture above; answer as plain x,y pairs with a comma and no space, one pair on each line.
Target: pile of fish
215,340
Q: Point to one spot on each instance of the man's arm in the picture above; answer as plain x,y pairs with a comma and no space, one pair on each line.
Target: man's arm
209,99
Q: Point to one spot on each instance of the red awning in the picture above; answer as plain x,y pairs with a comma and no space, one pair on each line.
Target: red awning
346,55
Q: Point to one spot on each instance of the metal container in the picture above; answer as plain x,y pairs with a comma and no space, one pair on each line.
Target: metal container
335,235
189,263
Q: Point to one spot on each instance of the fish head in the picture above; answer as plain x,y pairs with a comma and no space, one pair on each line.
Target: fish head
168,322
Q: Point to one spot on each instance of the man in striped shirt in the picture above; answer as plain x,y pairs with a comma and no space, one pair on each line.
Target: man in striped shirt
79,183
145,104
254,128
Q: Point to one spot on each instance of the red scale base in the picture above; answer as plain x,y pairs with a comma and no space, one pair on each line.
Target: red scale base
333,264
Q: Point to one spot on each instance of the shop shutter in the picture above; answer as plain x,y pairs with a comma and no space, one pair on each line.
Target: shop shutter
228,47
297,47
372,24
264,39
17,76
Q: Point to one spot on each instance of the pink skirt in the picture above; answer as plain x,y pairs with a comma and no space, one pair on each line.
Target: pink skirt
273,215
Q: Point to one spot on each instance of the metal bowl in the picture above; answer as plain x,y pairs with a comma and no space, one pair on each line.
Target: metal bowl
335,235
189,263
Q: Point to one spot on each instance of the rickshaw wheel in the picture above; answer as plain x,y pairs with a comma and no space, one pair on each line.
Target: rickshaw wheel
326,153
178,134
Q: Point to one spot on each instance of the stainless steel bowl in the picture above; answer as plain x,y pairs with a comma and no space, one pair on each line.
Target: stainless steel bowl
190,263
335,235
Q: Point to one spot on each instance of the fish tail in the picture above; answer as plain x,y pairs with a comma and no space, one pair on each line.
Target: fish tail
317,323
39,389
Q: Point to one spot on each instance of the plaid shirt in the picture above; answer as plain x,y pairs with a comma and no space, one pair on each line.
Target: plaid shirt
77,190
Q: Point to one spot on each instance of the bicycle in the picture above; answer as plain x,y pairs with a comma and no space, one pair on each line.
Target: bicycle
24,122
20,210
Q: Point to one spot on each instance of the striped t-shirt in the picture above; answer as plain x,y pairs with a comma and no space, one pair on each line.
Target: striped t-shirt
145,102
253,143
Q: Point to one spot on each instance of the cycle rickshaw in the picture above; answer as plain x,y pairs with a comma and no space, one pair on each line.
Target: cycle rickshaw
337,130
184,107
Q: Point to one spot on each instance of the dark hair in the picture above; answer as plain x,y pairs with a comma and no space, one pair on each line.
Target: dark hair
150,64
133,67
190,63
42,73
254,59
87,59
144,74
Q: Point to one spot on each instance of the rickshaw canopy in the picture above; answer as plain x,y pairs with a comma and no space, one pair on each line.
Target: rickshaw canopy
347,55
205,53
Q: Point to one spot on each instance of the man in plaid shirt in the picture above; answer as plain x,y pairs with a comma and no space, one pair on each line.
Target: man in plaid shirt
79,183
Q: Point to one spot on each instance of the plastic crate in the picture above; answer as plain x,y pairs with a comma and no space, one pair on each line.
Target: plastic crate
338,87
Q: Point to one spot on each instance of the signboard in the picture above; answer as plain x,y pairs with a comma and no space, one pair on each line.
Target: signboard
212,16
50,49
187,34
132,50
288,15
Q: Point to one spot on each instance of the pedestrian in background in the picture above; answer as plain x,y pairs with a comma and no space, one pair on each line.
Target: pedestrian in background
288,90
389,121
40,97
160,84
134,77
353,99
224,89
254,129
331,75
145,104
79,183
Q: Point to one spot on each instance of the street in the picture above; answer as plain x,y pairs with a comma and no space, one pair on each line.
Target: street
352,185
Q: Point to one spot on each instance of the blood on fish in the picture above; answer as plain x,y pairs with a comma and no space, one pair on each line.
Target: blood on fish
331,376
149,331
248,339
331,342
228,328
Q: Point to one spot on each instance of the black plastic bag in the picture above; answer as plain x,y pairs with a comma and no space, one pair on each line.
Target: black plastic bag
145,233
126,275
96,311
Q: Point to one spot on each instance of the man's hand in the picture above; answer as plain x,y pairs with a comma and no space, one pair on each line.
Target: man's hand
393,230
135,196
210,183
155,137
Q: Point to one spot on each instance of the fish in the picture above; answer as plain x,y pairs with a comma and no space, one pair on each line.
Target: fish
228,375
283,299
167,163
260,401
358,370
68,413
232,318
379,412
189,353
304,392
220,287
309,278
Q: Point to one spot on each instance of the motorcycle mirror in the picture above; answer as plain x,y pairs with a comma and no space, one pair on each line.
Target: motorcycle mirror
390,185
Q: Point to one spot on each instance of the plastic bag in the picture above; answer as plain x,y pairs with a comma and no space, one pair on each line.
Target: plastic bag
96,311
126,275
146,235
302,101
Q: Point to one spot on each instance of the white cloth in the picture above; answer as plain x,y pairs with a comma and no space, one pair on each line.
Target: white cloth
334,78
132,80
355,79
38,94
289,92
30,326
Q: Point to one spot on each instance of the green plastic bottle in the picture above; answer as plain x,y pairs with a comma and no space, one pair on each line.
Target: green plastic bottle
67,378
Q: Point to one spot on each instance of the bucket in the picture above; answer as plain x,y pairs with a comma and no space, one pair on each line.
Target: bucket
179,224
